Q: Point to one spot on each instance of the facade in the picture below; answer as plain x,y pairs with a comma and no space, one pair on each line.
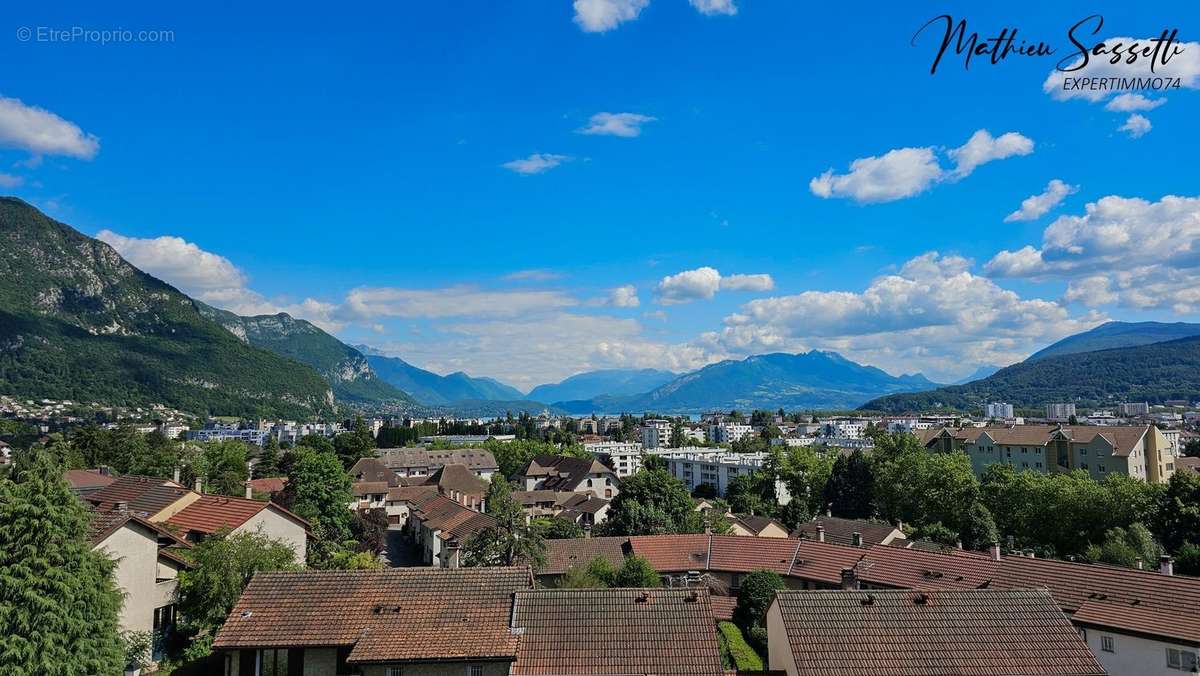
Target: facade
715,467
574,475
998,410
1142,452
625,458
1060,412
656,434
728,432
1134,409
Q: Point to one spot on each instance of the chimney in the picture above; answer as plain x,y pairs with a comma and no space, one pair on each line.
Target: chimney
1139,564
105,471
249,490
175,475
820,533
856,539
829,509
995,551
1166,565
452,553
1031,554
121,507
849,579
899,525
958,544
199,485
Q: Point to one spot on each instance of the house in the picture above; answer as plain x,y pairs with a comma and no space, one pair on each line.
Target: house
625,458
584,509
375,622
615,631
147,567
269,486
440,526
84,481
374,470
857,532
565,554
408,462
1142,452
566,474
976,632
211,513
757,526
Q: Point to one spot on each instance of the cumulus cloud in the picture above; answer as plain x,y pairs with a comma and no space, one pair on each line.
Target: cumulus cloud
982,148
366,303
624,296
1130,103
41,132
176,261
1184,66
532,275
1129,251
599,16
1035,206
933,315
905,172
711,7
1136,126
535,163
748,283
626,125
896,174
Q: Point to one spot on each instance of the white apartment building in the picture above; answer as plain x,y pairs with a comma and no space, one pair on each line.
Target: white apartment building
998,409
695,434
656,434
1133,409
624,457
729,432
851,428
716,467
1060,412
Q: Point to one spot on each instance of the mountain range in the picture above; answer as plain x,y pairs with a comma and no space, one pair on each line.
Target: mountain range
1118,334
78,322
810,380
1153,373
611,382
432,389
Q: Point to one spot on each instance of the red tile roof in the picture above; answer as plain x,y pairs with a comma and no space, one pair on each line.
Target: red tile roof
386,615
723,607
87,479
566,553
988,632
841,531
615,631
269,484
211,513
923,569
144,495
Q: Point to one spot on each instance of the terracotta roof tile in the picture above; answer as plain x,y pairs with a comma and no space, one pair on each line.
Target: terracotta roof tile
386,615
841,531
87,480
1172,623
615,631
144,495
210,513
566,553
987,632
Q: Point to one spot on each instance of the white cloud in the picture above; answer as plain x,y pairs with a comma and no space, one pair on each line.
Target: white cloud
10,181
689,285
1129,103
598,16
897,174
624,296
627,125
41,132
748,283
1184,66
372,303
1136,126
711,7
532,275
933,315
905,172
535,163
982,148
1035,206
176,261
1139,288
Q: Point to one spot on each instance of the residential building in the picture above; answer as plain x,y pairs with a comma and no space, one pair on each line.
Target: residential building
1060,412
656,434
1142,452
756,525
852,532
625,458
852,428
976,632
439,526
84,481
375,622
998,409
716,467
466,439
408,462
728,432
566,474
668,632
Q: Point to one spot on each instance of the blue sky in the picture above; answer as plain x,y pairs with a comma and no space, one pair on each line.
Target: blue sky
476,186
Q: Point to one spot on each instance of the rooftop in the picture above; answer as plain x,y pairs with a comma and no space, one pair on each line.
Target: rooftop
142,494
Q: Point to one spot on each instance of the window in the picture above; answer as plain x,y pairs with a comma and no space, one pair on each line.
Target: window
395,671
273,662
1102,468
1181,659
475,670
1108,644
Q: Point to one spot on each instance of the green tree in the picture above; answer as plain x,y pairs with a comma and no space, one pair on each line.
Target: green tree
636,572
751,493
602,571
1123,547
511,540
354,445
58,601
1191,448
552,528
754,597
221,568
1187,560
1179,511
850,490
978,530
652,502
268,459
226,462
805,473
318,489
923,488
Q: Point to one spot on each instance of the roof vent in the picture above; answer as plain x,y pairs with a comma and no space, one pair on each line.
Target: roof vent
643,597
869,600
693,597
247,613
921,599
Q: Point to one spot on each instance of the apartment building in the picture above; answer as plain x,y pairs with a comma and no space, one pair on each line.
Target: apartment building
728,432
716,467
625,458
1060,412
1142,452
998,409
656,433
